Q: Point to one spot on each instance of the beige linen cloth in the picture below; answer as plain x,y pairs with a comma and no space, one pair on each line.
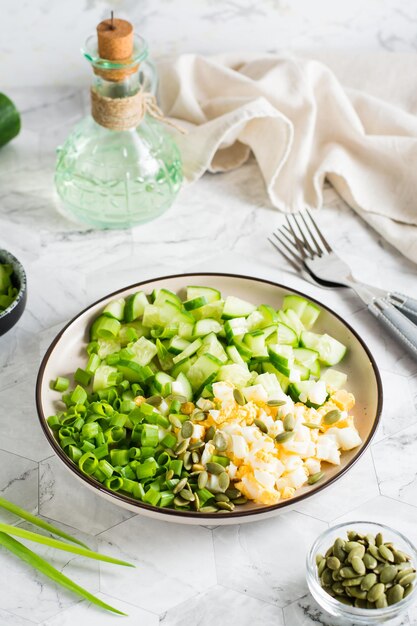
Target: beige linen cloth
303,127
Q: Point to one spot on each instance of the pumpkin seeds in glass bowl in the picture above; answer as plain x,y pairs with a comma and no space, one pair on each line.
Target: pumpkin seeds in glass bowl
347,579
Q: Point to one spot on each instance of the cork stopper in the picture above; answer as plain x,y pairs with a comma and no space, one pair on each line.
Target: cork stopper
115,43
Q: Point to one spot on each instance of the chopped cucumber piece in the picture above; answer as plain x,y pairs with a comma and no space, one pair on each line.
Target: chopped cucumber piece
234,355
160,296
235,307
211,295
195,303
287,335
294,322
144,351
212,310
283,380
296,303
163,383
135,306
236,327
255,340
310,315
176,344
211,345
205,326
334,379
182,386
271,385
203,371
305,356
235,373
101,376
330,350
133,372
183,366
310,392
115,309
189,350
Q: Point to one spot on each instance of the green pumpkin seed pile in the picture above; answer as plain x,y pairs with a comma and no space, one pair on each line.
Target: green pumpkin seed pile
365,572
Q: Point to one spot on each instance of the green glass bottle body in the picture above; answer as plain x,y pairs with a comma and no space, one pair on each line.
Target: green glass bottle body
118,178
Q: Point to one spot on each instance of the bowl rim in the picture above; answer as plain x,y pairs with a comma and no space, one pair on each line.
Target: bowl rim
138,504
23,282
352,611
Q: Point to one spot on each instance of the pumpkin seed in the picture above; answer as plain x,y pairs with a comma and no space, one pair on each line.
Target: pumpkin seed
351,545
352,582
175,421
288,422
209,434
202,479
178,501
224,481
197,467
186,494
220,442
404,571
379,540
198,416
338,549
276,402
174,396
360,604
332,417
261,425
239,397
208,509
187,460
226,506
338,589
181,447
359,551
353,535
221,497
358,565
375,592
326,577
311,425
399,556
196,502
348,572
180,486
375,553
386,553
240,500
345,601
321,566
195,457
329,552
395,594
284,437
388,573
370,561
333,563
403,566
169,474
356,592
368,581
196,445
187,429
154,400
314,478
336,576
408,590
214,468
370,539
381,602
234,493
407,579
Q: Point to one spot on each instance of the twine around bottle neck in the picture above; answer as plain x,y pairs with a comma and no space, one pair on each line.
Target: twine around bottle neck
126,113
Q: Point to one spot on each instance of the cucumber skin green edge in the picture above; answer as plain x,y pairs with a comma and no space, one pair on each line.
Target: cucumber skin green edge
10,122
36,561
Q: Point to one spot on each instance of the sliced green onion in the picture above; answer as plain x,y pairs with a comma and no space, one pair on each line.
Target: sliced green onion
82,376
119,457
221,460
115,483
88,463
79,395
146,469
60,384
149,435
152,497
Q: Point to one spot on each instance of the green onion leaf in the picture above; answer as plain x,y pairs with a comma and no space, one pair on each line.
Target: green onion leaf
33,559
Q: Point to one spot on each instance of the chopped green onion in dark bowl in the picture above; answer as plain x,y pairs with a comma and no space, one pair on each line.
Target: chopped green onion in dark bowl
13,291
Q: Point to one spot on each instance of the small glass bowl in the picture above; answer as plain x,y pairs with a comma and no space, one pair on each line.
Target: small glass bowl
350,613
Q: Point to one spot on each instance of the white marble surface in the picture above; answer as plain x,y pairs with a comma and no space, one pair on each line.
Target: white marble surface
188,576
39,28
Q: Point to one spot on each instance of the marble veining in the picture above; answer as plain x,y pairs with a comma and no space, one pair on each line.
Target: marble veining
184,576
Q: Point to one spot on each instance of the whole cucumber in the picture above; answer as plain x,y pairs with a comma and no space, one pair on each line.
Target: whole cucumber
9,120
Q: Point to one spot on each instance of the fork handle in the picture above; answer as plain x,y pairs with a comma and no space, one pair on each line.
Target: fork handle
396,322
405,304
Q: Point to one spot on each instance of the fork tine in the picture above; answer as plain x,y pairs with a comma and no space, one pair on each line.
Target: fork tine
326,245
304,238
299,245
319,248
295,263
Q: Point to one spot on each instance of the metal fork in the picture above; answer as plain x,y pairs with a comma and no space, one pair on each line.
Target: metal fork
304,246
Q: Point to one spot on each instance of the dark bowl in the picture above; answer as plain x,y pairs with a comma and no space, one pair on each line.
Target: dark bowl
13,313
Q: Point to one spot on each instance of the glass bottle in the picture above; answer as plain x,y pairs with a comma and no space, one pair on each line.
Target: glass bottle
118,178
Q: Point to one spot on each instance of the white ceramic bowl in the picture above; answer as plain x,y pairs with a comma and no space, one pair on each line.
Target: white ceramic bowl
66,354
